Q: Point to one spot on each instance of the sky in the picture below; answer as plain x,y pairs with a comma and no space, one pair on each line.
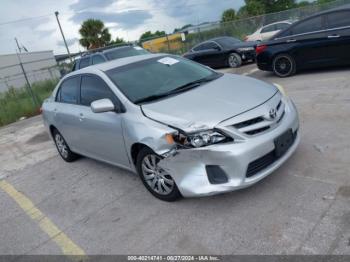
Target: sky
34,24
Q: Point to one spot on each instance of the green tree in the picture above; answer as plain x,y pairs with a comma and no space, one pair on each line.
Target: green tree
94,34
118,41
147,35
228,15
304,3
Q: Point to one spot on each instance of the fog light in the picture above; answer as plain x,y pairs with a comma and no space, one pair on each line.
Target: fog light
216,175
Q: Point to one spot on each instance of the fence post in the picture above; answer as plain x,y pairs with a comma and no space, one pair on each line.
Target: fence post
35,100
167,40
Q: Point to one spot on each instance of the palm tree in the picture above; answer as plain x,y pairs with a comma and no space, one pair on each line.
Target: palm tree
94,34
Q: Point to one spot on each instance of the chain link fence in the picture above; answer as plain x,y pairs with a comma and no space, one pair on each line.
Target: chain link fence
26,79
179,44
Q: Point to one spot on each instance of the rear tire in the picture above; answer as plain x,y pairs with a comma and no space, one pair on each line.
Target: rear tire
234,60
284,65
63,148
157,181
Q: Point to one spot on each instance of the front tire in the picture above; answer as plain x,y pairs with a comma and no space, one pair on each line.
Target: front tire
234,60
284,65
63,148
157,181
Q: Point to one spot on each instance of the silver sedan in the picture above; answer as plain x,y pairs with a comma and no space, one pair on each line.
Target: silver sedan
185,129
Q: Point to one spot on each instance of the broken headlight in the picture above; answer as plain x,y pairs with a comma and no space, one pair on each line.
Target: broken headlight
200,139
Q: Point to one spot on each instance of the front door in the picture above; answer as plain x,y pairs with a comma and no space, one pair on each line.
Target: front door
101,134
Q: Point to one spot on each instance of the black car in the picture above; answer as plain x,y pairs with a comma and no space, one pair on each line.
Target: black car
321,40
107,55
222,52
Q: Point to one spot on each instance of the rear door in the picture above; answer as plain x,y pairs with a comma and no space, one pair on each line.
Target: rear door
101,134
308,42
65,111
338,36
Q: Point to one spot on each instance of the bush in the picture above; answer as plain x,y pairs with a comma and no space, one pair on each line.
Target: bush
16,103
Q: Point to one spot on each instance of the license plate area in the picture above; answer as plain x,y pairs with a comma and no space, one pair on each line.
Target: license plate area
283,143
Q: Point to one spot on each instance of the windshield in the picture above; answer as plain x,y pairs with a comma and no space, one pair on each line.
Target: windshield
227,42
157,76
125,52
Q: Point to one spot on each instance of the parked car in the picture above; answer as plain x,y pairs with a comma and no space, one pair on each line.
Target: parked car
187,130
321,40
107,55
222,52
267,31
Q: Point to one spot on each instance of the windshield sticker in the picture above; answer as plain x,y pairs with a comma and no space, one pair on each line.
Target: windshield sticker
137,48
168,61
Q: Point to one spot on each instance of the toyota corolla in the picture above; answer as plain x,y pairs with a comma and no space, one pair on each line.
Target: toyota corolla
185,129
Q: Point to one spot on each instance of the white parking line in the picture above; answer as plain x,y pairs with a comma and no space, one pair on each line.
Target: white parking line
251,72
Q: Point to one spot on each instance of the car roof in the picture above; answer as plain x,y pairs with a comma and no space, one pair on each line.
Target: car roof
113,64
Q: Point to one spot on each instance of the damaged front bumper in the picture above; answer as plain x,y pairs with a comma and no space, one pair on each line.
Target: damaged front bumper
189,167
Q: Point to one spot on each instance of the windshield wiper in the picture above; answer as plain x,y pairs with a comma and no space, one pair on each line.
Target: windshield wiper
179,89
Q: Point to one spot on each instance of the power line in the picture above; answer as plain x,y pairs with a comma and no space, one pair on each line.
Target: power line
25,19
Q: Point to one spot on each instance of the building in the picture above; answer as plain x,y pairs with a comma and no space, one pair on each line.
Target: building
38,66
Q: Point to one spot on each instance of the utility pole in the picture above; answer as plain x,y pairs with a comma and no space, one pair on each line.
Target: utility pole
64,39
35,99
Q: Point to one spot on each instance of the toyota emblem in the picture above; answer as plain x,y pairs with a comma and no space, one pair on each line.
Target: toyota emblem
273,113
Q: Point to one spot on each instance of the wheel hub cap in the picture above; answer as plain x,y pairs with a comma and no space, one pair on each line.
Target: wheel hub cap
156,177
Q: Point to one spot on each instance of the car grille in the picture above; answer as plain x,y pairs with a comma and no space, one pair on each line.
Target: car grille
263,162
259,124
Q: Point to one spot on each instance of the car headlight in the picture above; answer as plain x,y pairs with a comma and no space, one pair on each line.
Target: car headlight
200,139
245,49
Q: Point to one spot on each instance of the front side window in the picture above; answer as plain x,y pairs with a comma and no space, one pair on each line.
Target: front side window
199,47
157,76
68,91
338,19
125,52
97,59
308,26
228,42
282,26
84,62
94,88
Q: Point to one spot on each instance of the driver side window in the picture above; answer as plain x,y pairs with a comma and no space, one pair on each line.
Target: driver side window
94,88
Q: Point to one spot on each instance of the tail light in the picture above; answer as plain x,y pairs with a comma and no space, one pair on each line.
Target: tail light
260,48
40,110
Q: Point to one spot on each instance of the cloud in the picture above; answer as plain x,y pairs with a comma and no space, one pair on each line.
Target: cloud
70,42
126,20
43,33
86,4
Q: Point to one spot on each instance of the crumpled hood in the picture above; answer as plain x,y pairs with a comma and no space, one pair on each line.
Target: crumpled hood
207,105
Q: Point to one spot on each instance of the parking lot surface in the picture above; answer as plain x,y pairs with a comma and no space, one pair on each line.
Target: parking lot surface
51,207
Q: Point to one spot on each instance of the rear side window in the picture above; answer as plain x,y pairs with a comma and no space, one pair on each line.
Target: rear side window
308,26
94,88
84,62
97,59
269,28
68,92
338,19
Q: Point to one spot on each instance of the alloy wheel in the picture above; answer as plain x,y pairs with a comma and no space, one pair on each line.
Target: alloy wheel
283,66
156,177
61,145
233,61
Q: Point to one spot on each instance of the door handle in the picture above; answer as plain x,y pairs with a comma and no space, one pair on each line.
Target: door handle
55,111
291,40
333,36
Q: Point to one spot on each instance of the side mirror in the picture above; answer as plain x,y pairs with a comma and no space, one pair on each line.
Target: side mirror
102,105
217,48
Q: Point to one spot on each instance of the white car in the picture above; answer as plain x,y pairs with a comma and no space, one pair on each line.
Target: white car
267,31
